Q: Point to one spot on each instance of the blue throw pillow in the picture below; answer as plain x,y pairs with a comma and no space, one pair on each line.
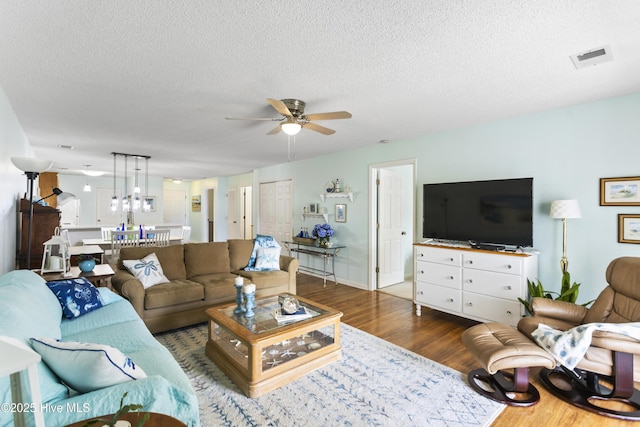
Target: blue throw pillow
76,296
261,241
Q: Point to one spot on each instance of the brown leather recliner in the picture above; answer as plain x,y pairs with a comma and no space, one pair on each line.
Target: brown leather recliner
612,363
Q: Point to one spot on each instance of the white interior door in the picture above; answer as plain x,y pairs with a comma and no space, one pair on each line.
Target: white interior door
233,214
391,233
247,216
267,202
284,211
174,207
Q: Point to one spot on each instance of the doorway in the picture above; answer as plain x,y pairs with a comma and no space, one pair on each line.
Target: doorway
392,224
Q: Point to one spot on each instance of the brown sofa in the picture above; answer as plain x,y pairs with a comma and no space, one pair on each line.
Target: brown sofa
201,275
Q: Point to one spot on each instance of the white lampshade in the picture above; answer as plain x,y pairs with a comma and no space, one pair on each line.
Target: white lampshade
290,128
29,164
565,209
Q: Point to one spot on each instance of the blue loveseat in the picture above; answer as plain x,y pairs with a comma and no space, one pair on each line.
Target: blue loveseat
29,309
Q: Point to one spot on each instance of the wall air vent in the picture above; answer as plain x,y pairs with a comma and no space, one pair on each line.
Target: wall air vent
592,57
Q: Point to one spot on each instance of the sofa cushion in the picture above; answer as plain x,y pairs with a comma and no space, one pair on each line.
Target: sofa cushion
266,279
147,270
28,308
76,296
206,258
172,293
170,257
217,287
239,253
87,367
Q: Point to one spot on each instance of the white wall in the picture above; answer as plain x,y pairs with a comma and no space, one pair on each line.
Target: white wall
565,150
13,142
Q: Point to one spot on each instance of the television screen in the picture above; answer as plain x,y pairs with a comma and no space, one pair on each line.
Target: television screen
496,212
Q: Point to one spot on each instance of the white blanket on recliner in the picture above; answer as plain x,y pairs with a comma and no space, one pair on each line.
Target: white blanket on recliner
569,347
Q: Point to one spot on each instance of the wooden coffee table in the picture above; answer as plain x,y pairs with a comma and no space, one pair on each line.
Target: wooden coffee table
260,355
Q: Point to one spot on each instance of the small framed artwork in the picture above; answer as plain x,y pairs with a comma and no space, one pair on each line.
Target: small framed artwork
628,228
196,202
313,208
620,191
150,202
341,213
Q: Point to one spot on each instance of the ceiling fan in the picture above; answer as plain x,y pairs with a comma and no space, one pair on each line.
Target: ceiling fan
294,119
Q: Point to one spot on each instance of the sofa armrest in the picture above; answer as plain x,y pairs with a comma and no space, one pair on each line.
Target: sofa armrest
130,288
289,264
560,310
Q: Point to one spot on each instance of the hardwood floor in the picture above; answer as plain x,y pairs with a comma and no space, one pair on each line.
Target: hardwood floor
436,335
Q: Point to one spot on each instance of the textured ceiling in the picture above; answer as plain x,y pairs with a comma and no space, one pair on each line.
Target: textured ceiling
158,77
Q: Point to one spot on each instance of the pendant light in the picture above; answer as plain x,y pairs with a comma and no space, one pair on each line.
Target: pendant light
146,206
125,199
114,198
87,187
136,189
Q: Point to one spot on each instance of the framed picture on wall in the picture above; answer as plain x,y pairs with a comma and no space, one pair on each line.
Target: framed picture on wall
314,208
149,201
196,202
629,228
341,213
620,191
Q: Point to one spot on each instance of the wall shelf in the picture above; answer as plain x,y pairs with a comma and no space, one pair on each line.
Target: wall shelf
336,195
315,215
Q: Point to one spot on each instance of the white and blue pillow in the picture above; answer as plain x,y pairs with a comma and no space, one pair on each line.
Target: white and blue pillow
86,367
268,259
147,270
76,296
261,241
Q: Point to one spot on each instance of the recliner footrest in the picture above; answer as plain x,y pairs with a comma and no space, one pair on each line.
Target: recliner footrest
498,347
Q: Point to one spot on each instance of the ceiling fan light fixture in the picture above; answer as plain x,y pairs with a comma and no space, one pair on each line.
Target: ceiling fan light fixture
291,128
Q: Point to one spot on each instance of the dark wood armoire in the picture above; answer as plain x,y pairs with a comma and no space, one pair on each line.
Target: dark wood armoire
45,221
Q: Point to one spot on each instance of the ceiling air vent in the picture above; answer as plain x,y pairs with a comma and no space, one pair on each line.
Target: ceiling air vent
592,57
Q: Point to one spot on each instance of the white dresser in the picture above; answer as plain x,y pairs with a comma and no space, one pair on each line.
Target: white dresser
472,283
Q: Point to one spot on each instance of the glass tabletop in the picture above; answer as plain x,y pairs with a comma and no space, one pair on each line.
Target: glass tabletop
265,315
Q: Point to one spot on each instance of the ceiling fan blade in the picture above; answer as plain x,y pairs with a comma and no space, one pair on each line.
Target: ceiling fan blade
318,128
274,131
255,118
329,116
279,106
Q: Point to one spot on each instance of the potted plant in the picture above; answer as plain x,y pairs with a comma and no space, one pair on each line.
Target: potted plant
568,292
114,421
323,233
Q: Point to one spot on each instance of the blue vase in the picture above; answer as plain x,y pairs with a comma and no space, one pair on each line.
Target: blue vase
87,265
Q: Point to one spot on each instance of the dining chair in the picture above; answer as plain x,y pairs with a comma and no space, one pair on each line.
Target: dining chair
185,237
106,233
158,237
121,239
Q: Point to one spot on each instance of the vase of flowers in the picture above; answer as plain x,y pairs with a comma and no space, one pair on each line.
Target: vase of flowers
323,234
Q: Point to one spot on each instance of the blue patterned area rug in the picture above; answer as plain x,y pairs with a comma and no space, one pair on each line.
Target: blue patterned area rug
375,383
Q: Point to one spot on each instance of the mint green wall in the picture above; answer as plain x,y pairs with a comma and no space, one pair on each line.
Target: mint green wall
565,150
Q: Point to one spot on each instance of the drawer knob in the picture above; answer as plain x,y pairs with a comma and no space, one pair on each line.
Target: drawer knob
508,288
421,271
508,266
421,293
470,261
450,259
450,277
421,254
470,280
450,300
470,304
509,313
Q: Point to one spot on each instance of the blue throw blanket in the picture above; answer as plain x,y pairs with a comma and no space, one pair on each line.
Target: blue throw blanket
569,347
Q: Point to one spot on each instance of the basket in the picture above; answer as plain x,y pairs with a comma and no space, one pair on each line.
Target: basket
304,240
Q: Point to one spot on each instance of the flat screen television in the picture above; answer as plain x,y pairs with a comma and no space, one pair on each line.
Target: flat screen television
496,212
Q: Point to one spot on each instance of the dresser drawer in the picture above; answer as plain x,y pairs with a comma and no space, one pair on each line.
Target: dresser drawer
501,285
437,255
499,263
491,308
438,297
438,274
